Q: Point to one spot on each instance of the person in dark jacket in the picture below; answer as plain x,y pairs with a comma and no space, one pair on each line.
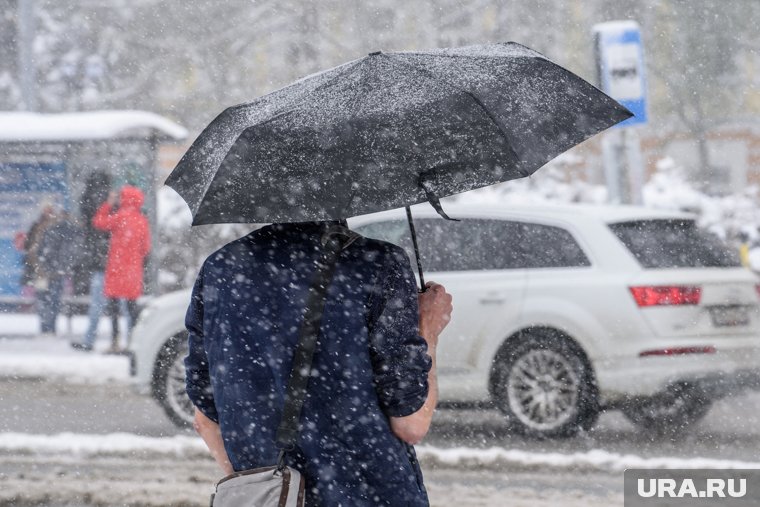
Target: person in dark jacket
56,254
128,246
31,243
94,252
375,389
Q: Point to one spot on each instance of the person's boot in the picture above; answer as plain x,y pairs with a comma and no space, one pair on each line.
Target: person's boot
115,349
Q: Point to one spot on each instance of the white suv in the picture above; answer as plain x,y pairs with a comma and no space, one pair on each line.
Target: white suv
559,312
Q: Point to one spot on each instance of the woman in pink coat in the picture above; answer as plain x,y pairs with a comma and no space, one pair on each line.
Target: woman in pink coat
128,247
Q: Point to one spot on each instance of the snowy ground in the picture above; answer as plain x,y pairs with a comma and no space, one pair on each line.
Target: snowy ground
24,354
154,480
73,433
121,469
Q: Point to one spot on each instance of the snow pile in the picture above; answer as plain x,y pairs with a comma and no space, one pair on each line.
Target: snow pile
596,459
25,355
84,445
74,369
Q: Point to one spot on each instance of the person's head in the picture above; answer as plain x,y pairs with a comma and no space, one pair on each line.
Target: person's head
96,186
131,197
49,210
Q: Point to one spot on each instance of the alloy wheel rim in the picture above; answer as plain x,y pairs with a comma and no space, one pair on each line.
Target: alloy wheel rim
176,395
542,389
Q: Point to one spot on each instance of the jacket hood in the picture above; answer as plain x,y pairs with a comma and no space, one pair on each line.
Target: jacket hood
132,197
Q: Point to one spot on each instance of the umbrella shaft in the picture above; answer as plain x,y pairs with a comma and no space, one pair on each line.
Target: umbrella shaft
416,248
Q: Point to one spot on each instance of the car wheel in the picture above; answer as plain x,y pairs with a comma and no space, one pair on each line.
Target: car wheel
169,382
543,385
671,412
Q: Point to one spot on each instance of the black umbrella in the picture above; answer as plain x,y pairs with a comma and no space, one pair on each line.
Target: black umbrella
386,131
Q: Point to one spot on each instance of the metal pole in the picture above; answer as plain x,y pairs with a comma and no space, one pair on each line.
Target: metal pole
625,171
152,212
26,67
416,248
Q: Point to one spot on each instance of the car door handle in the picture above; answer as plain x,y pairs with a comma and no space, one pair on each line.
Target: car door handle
492,301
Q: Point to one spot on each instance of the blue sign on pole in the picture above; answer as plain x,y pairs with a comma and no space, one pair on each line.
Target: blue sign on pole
620,62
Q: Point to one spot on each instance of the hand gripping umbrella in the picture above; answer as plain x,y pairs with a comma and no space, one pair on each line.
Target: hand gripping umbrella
387,131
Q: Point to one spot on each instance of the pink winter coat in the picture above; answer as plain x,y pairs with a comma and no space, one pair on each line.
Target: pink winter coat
130,243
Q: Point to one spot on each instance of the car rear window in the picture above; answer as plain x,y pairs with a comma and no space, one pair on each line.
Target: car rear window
659,244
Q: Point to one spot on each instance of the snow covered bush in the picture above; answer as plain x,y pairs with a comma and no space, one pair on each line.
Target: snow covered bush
727,216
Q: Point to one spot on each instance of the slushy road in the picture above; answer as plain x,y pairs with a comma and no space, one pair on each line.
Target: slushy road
42,407
730,431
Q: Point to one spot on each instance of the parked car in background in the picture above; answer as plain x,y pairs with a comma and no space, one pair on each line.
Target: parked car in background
559,313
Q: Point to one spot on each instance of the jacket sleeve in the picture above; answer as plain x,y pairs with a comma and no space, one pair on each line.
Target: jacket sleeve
103,218
146,238
400,362
197,377
46,250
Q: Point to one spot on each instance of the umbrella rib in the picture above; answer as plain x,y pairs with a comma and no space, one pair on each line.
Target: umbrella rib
498,126
473,97
354,102
216,171
347,68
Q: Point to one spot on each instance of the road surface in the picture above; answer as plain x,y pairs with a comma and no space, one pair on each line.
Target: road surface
34,477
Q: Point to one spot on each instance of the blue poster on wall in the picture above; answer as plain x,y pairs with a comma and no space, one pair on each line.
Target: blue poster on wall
24,189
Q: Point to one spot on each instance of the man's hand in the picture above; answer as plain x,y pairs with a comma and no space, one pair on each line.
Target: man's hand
435,312
212,435
112,198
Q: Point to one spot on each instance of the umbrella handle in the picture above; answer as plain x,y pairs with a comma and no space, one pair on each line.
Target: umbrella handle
416,248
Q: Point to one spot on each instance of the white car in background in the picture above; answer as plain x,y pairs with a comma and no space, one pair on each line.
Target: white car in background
559,313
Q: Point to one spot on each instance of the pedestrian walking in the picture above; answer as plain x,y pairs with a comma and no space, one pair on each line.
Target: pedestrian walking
373,389
57,253
128,246
94,253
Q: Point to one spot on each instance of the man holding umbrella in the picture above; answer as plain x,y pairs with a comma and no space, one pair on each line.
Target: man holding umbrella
385,131
373,388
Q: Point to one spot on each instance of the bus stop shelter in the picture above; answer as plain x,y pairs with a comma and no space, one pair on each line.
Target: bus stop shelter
46,158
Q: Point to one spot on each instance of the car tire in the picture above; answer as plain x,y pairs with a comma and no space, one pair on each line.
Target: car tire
169,382
671,412
543,384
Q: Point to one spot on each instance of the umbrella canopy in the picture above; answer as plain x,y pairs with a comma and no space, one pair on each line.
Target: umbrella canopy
386,131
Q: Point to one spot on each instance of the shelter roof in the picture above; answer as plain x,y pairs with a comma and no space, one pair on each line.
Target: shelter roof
86,126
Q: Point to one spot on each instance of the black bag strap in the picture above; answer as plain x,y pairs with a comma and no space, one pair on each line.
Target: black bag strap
335,239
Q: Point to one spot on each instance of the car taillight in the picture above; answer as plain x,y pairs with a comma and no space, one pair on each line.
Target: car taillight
757,288
666,295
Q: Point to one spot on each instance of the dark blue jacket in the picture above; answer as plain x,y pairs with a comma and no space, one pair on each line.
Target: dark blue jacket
60,249
370,362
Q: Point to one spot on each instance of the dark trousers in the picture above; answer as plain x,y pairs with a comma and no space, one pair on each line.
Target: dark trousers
133,311
49,304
